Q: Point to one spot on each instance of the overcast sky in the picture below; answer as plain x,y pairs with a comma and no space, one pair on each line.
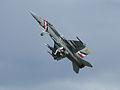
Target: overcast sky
24,61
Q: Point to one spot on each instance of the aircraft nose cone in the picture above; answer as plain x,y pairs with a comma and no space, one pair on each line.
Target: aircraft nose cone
34,15
38,19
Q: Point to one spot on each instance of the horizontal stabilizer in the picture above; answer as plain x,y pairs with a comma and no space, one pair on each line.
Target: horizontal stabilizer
75,68
85,63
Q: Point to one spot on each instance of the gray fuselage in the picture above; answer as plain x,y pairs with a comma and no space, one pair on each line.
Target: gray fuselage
63,43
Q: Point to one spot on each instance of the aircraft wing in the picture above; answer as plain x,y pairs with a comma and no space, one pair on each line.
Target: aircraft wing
77,45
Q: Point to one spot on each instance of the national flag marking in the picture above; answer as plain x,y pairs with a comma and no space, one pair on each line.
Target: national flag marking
80,55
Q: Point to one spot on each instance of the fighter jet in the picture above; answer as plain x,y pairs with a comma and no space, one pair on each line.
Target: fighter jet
74,50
